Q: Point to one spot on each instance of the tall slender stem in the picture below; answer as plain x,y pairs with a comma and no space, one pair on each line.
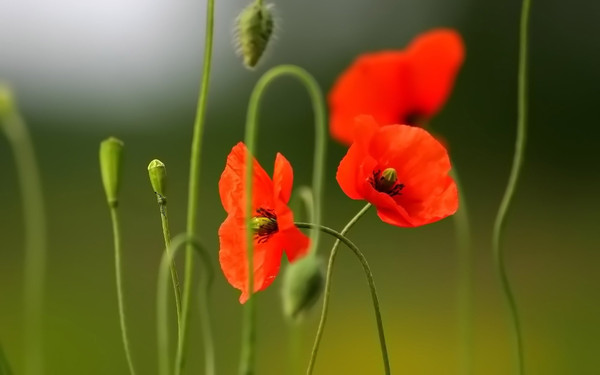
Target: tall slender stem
363,261
114,215
463,242
161,310
511,187
4,365
35,240
249,334
194,182
327,294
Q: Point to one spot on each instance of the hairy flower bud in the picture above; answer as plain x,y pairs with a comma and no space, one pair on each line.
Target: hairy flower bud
254,27
158,178
302,286
111,152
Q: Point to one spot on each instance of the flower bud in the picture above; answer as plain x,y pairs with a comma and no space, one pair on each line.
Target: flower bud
158,177
7,102
303,283
254,27
111,151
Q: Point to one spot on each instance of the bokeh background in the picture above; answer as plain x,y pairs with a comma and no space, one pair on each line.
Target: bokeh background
85,70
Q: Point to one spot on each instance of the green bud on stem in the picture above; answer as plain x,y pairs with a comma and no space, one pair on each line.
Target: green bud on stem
254,27
158,177
303,283
111,152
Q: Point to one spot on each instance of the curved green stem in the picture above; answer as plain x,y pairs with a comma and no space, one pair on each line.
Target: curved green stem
249,334
35,240
162,312
194,182
363,261
164,218
463,242
118,272
327,294
511,186
4,365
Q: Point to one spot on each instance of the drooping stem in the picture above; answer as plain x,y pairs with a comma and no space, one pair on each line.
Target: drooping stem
363,261
4,365
114,215
161,310
517,165
463,242
194,183
249,335
164,218
35,240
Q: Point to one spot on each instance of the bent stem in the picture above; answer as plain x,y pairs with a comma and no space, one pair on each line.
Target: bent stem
194,182
463,242
327,294
363,261
249,334
162,311
118,272
35,240
517,165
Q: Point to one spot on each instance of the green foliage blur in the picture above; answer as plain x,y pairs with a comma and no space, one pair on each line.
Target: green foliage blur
552,238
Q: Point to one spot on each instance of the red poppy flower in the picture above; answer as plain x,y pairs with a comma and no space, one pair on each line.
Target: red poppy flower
402,170
273,222
397,87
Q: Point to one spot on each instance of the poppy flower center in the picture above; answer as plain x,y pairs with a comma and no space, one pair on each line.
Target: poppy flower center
264,224
386,182
413,118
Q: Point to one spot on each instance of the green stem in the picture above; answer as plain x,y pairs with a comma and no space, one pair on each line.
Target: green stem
249,334
463,242
4,365
35,240
363,261
162,312
194,183
164,218
511,186
119,272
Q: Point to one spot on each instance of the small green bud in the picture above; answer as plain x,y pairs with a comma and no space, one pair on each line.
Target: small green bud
111,151
388,179
303,283
7,102
254,27
158,178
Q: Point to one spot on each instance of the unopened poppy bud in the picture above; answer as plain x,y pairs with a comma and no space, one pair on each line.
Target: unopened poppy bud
158,178
254,27
111,152
7,102
302,286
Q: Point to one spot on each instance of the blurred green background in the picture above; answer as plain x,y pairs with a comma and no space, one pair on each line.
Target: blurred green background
86,70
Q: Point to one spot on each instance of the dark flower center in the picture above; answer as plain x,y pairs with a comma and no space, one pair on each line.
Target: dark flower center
386,182
264,224
414,118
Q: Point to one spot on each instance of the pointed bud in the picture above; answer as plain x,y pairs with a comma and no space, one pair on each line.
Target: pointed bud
388,179
111,151
254,27
158,177
303,283
7,102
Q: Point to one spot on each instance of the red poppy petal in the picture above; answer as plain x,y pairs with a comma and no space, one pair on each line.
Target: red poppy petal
283,177
374,84
231,184
294,242
233,260
435,58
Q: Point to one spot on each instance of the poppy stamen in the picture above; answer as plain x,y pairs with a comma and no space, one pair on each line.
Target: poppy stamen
386,182
264,224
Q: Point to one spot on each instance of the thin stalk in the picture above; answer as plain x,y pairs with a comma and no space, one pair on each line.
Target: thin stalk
247,361
114,215
464,292
164,218
35,241
517,165
194,183
4,365
327,294
162,311
363,261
